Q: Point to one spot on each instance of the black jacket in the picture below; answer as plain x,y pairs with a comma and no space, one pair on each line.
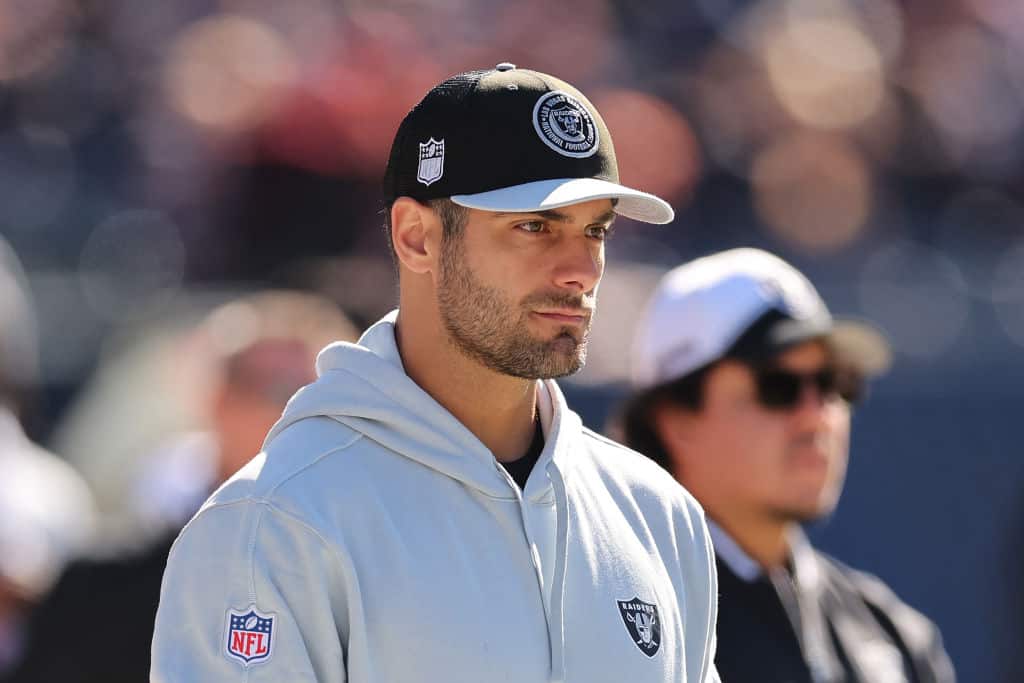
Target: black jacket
97,625
822,622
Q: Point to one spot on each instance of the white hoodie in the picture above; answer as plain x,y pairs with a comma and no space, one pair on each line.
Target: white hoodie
377,540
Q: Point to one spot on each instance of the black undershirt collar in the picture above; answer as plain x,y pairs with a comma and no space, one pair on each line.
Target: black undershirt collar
520,468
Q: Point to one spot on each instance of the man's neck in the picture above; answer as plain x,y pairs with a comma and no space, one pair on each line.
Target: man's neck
765,540
498,409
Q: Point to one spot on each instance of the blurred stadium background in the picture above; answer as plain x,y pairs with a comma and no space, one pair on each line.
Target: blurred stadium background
155,155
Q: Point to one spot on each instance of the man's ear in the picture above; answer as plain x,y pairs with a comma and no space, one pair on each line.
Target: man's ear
415,234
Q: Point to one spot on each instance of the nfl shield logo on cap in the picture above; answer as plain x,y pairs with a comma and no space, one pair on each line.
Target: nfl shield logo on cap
431,166
250,636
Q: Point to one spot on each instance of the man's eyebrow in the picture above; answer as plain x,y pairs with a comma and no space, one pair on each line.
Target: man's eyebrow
559,217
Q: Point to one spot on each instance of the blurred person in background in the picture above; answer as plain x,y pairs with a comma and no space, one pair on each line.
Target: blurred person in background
745,385
46,519
430,508
96,626
46,510
259,349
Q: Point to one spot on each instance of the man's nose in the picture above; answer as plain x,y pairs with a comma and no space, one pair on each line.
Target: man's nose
580,266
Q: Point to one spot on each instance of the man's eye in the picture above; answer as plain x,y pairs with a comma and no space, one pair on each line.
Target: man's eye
601,232
531,226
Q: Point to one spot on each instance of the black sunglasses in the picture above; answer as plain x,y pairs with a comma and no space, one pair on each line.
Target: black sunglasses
782,390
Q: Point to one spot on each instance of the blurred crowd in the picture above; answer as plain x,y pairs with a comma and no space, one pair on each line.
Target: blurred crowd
159,162
244,139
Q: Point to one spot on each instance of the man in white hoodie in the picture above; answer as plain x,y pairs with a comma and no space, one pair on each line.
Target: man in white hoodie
430,509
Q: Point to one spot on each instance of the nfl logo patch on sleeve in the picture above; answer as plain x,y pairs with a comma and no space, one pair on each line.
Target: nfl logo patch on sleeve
250,635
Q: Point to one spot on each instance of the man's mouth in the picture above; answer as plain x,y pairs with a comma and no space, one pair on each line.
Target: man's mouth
565,316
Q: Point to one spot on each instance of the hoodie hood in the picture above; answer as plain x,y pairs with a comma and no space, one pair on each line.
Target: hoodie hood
365,387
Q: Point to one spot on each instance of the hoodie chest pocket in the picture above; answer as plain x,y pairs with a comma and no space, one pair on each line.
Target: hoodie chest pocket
453,599
445,632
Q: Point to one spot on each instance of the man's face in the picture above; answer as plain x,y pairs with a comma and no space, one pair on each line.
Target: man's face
517,291
785,463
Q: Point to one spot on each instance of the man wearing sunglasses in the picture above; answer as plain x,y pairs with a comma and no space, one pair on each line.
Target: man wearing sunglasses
744,385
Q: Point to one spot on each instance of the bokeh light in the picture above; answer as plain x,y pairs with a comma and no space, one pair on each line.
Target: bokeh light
655,146
310,28
954,70
917,295
825,71
227,73
813,190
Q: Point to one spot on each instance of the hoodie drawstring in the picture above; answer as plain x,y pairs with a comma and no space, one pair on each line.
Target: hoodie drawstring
556,628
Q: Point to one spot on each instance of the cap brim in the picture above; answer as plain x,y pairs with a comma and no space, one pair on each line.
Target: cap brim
857,343
863,345
551,194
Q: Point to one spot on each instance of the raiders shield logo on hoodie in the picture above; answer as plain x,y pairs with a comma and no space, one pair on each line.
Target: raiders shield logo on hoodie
643,623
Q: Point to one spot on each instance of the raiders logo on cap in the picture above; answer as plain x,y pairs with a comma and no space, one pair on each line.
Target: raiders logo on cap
565,125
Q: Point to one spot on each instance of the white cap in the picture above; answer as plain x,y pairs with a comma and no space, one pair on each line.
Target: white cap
701,309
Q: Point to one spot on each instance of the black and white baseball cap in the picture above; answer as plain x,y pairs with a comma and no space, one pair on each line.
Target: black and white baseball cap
510,139
743,303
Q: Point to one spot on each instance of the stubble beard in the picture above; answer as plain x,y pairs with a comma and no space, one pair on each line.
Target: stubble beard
485,326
